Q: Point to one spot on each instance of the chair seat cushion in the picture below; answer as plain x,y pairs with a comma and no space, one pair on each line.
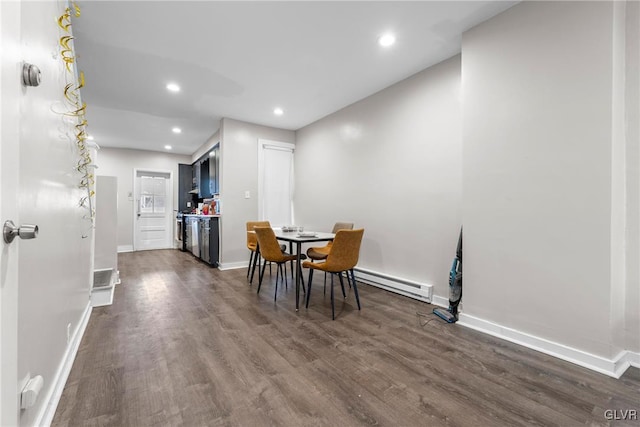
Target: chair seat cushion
317,253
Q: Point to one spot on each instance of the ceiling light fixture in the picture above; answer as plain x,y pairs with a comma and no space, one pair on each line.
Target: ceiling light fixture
172,87
168,147
386,40
176,130
278,111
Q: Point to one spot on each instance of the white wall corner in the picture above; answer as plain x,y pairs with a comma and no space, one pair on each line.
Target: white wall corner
45,416
233,265
612,367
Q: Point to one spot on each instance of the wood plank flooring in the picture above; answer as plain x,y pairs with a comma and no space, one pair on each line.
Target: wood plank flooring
187,345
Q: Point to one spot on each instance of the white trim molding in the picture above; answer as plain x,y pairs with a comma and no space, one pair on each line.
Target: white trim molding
612,367
125,248
45,416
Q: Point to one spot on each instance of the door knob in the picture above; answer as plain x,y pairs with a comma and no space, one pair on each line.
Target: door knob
26,231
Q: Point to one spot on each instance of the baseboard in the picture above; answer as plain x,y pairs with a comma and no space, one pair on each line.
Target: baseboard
125,248
440,301
409,288
612,367
45,416
232,265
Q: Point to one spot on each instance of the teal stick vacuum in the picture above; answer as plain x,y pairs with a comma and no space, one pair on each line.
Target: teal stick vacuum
450,315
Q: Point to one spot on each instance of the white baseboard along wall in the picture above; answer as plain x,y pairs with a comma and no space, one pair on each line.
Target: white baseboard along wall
45,416
424,292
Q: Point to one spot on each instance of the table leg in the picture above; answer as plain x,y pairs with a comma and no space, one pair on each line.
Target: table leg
298,250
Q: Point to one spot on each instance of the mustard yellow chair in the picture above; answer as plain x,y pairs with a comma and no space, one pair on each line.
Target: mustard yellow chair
342,257
320,253
270,251
252,245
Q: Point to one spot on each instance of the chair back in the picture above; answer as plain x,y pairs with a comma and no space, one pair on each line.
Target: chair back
337,227
342,226
252,240
269,246
345,250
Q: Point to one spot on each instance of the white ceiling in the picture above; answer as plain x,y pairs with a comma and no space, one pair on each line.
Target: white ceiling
243,59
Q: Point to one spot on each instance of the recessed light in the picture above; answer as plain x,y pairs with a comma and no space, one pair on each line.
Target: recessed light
168,147
90,137
278,111
176,130
172,87
387,40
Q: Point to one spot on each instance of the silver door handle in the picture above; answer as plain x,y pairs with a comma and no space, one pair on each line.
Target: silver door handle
25,231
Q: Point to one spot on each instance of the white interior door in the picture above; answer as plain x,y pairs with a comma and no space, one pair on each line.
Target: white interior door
10,98
275,182
153,222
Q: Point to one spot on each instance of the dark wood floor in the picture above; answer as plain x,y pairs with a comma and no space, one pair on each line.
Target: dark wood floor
184,344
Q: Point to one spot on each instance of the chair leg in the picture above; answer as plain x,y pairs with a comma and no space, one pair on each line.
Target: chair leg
302,279
333,310
309,290
348,279
250,263
355,288
275,293
284,265
342,285
325,283
256,260
260,276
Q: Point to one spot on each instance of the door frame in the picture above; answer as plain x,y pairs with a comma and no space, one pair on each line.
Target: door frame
136,202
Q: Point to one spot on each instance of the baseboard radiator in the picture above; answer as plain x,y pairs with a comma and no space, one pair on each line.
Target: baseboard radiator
409,288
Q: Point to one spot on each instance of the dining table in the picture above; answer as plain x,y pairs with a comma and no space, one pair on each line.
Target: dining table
298,238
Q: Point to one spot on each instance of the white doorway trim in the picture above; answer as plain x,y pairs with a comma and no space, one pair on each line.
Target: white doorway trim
266,144
169,220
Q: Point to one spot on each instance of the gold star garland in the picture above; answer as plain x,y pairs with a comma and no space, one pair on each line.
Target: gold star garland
76,108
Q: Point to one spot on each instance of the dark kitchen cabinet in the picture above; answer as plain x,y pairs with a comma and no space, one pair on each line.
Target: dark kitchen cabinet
214,170
205,182
209,240
185,180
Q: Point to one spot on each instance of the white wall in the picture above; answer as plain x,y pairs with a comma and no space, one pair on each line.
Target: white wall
54,268
239,173
539,166
390,163
120,163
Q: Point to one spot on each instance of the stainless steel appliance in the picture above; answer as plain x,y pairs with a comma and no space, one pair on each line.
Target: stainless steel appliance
179,230
205,233
195,241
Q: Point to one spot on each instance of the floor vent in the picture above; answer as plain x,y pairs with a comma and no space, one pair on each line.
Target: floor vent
409,288
104,282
